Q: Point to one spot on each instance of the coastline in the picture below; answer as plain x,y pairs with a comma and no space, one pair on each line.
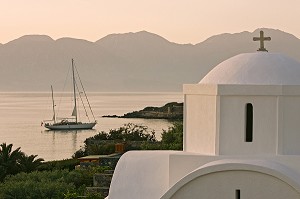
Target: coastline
170,111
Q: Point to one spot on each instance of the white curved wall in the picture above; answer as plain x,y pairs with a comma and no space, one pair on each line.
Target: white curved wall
141,175
225,183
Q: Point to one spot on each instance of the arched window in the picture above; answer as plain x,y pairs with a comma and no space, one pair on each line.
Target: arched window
237,194
249,123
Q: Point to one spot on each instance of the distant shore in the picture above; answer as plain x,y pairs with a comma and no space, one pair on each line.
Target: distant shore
170,111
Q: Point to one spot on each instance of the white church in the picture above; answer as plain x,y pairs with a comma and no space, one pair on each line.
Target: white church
241,137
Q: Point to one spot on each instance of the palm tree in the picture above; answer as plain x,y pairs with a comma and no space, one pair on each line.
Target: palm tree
9,160
13,162
29,163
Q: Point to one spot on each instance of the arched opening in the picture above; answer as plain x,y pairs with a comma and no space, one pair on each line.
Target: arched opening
249,123
247,178
237,194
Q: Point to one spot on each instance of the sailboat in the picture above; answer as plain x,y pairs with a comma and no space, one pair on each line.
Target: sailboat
71,123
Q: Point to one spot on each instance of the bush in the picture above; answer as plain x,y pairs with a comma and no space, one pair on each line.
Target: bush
128,132
80,153
104,143
37,185
103,149
134,137
49,184
172,139
33,189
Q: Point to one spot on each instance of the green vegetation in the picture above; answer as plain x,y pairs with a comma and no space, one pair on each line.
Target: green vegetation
128,132
172,139
25,176
103,143
48,184
134,137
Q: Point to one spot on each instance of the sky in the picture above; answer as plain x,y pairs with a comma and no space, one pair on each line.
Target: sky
180,21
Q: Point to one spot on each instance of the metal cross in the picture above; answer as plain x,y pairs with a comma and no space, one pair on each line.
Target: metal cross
262,39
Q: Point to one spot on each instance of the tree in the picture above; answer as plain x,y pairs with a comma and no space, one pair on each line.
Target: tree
9,160
172,139
29,163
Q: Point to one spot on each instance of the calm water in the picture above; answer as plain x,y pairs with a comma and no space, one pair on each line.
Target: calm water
21,115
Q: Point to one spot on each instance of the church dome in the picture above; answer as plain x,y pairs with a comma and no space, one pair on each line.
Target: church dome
260,68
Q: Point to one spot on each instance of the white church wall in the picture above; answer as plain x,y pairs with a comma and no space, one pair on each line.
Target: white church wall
290,142
183,163
233,122
200,124
291,161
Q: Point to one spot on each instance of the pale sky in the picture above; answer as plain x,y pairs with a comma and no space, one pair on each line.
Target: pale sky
180,21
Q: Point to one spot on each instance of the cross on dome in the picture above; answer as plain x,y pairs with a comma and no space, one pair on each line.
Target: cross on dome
262,39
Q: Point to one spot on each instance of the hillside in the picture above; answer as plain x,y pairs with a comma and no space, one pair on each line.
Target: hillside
139,61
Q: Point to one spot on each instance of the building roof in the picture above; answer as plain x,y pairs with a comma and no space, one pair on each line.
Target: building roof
99,156
259,68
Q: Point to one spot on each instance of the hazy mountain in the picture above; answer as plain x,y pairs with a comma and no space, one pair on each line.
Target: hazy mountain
139,61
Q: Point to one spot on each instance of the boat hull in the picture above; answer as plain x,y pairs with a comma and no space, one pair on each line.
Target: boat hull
71,126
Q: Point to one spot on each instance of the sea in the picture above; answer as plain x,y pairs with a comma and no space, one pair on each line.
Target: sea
21,114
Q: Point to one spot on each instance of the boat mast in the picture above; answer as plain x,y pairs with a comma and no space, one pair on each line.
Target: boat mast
53,105
74,91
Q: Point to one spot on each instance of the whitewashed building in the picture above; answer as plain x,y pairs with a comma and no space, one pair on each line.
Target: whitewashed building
241,138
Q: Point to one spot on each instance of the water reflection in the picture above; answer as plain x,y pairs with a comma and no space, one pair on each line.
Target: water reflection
67,131
66,139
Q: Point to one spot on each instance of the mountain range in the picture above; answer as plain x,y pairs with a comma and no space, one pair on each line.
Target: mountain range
129,62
